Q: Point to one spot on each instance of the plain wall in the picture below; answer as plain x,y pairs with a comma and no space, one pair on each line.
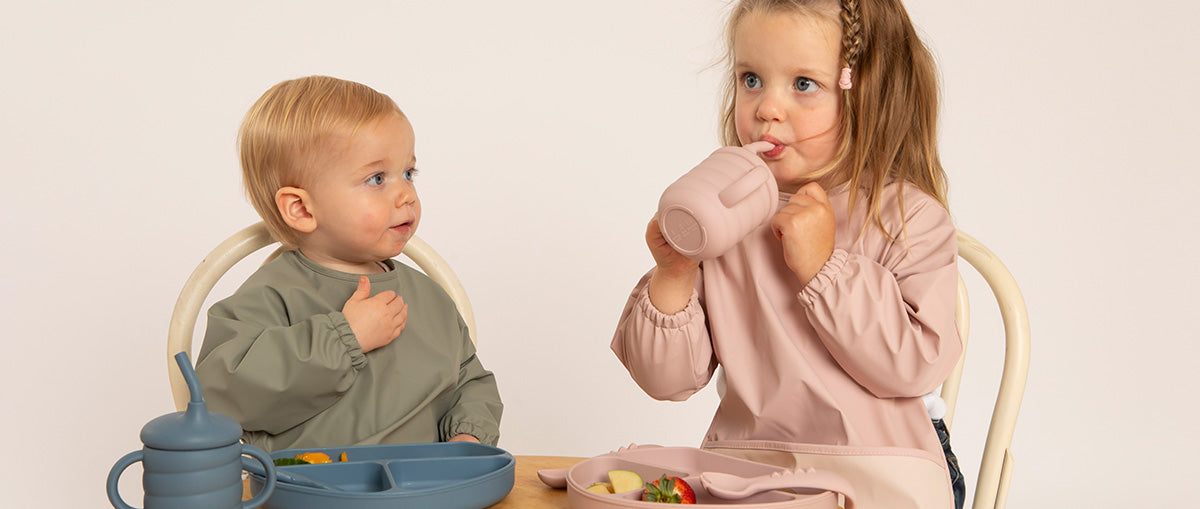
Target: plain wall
546,131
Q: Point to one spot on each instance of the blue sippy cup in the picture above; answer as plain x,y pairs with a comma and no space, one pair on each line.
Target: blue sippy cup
192,459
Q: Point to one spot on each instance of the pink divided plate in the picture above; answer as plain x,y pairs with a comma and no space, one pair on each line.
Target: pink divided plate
687,463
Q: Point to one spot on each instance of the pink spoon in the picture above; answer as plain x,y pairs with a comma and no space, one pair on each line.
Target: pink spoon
553,477
732,487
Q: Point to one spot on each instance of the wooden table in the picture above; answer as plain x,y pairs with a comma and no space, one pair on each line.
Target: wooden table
528,491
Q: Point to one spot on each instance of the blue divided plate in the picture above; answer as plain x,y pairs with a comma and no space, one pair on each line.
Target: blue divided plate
448,475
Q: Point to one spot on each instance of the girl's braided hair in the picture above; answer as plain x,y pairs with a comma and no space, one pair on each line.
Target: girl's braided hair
851,33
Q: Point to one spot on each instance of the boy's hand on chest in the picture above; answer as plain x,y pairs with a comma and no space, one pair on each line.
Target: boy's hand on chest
375,319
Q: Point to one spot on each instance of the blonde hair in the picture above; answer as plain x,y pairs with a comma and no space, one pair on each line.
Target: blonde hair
889,117
289,127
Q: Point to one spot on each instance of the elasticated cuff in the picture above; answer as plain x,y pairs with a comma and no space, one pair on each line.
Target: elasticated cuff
661,320
824,278
358,359
483,434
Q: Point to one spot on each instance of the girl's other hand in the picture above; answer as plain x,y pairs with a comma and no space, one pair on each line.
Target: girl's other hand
463,437
377,320
805,227
674,276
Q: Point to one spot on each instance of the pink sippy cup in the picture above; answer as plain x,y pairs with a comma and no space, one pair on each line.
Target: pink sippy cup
714,206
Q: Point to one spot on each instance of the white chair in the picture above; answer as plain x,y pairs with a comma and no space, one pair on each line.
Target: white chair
995,469
242,244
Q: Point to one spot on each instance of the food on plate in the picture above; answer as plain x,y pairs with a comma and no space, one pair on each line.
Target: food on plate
604,488
314,457
669,490
624,480
284,462
308,458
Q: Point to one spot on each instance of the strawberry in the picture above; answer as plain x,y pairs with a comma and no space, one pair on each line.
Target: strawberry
669,490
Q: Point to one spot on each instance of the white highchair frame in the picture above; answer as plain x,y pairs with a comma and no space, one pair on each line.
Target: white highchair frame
995,469
249,240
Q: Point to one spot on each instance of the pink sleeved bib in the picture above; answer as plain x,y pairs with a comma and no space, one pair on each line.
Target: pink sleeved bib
841,363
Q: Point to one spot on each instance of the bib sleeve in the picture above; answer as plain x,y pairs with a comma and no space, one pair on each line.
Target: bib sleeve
271,375
669,356
890,324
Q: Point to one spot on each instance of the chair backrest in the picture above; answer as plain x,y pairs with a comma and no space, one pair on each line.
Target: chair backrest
242,244
995,469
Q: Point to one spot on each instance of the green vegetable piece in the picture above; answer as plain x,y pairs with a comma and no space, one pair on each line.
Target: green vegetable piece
283,462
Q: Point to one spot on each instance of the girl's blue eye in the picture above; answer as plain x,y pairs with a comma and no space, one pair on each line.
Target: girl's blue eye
806,85
751,81
375,180
410,174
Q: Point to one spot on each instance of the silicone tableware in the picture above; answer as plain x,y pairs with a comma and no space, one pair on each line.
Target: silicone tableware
714,206
688,463
290,477
729,486
192,459
450,475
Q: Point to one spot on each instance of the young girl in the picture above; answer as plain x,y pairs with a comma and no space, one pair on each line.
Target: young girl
835,317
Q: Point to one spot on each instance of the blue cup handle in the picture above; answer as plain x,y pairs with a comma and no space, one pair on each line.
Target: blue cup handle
114,475
269,466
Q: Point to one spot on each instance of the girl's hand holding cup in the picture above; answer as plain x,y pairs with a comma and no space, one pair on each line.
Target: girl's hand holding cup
703,215
674,274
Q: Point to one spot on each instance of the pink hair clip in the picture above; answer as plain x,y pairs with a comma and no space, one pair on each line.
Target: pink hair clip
845,82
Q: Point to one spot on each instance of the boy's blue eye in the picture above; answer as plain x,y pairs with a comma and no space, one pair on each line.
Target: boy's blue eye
410,174
751,81
375,180
806,85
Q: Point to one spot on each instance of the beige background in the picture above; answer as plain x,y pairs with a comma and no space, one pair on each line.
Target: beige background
546,130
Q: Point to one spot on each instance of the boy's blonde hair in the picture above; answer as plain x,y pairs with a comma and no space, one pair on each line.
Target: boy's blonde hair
889,116
289,128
